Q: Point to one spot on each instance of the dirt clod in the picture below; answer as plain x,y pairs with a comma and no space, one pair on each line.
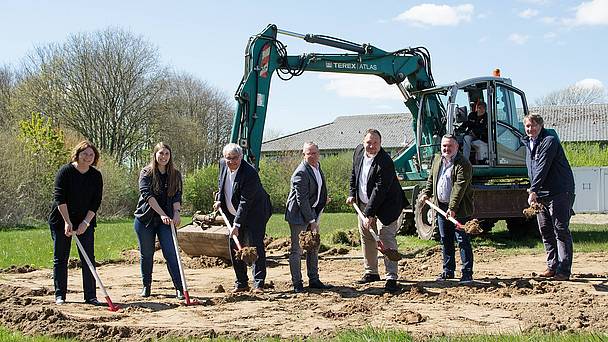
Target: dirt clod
309,240
409,317
248,254
533,209
472,227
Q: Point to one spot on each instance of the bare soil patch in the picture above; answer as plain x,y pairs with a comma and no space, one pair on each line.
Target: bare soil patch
506,296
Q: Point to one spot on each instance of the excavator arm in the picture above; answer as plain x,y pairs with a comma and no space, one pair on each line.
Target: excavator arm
409,69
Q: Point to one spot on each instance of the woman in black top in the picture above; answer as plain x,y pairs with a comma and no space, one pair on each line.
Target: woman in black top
76,199
160,187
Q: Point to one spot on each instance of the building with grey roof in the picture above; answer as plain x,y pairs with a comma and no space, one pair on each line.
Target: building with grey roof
346,132
573,123
576,123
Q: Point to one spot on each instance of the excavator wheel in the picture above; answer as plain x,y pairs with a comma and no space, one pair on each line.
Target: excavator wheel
406,223
425,221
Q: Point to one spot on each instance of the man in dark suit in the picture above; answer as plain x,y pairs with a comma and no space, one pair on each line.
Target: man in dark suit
307,198
376,189
247,206
551,184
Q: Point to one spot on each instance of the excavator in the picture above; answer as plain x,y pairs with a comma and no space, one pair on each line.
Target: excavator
499,181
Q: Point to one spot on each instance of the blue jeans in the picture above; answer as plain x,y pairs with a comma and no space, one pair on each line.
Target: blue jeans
295,258
146,237
553,222
61,254
448,233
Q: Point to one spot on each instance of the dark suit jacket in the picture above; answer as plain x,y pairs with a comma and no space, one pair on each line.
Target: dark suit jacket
386,198
461,198
303,194
252,203
548,169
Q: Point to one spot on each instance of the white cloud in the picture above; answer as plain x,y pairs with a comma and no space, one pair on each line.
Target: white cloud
550,35
483,39
360,86
589,83
518,39
548,20
528,13
437,15
594,12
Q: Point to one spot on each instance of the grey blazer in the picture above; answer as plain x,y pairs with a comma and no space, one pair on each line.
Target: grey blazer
303,194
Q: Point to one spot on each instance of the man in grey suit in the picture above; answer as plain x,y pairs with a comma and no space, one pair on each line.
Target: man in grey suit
307,198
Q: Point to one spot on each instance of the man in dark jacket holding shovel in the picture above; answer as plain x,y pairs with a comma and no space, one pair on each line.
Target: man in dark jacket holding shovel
307,198
376,190
552,185
449,184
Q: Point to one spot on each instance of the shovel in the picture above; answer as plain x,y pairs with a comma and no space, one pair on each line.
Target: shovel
181,268
392,254
111,305
249,254
471,227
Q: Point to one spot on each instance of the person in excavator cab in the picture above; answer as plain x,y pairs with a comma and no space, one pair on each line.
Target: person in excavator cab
476,134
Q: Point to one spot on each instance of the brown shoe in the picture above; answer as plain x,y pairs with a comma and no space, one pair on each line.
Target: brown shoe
240,289
547,274
258,290
561,277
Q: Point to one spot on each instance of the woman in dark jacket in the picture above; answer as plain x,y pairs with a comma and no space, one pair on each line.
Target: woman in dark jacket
76,199
160,187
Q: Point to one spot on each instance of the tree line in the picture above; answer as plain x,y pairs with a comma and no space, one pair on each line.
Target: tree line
110,88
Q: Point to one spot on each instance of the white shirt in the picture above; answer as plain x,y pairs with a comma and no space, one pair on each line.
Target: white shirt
228,185
365,167
319,179
444,183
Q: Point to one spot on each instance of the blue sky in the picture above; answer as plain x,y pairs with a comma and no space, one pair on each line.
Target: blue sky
542,45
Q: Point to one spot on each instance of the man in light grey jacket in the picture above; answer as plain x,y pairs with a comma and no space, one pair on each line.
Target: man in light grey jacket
307,198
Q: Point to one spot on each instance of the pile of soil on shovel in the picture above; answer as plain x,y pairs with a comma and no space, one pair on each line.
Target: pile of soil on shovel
472,227
532,210
248,254
392,254
309,241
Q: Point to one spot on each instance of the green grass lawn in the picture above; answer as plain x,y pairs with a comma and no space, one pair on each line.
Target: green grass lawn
361,335
33,245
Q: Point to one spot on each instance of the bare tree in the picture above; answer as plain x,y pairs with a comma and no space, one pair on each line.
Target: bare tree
574,95
7,89
104,85
197,118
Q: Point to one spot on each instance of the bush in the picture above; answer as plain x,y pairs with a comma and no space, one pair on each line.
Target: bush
120,189
337,170
275,175
199,187
586,153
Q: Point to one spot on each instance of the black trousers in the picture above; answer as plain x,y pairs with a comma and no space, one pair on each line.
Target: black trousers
61,254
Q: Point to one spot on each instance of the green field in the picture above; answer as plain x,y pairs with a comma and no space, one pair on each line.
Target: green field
33,245
363,335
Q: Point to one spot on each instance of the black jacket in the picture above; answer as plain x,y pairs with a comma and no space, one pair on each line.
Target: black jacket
252,203
548,169
386,198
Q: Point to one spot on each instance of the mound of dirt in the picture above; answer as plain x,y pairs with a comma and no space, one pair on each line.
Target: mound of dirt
409,317
18,269
205,262
282,244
